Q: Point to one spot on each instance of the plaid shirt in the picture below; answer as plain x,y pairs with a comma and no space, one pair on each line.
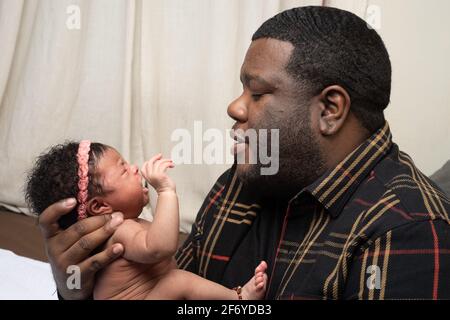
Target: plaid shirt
374,227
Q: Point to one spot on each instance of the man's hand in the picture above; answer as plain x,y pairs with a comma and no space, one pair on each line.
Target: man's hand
154,171
72,246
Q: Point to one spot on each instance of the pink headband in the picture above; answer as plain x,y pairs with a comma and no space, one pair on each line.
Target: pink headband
83,182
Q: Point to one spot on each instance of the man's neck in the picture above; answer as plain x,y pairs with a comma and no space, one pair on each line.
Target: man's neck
338,147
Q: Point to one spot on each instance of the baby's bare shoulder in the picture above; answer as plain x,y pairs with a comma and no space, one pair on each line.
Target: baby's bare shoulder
142,222
126,231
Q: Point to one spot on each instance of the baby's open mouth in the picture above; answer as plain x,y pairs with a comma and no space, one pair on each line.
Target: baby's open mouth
145,186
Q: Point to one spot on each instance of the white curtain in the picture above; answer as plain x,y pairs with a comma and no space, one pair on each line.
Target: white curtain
128,75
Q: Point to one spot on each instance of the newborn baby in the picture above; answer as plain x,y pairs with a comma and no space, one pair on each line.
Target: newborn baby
103,183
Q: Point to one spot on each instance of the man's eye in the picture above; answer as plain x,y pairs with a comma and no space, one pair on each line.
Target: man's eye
256,97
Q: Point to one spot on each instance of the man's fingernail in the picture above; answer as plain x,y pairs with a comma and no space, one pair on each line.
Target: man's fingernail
117,249
70,202
116,215
116,220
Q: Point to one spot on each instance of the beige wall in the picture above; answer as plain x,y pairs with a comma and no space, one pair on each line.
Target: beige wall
417,35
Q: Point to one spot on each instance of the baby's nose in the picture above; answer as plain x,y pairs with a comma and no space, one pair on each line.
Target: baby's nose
134,169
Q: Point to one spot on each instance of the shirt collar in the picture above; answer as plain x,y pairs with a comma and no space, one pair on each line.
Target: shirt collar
336,186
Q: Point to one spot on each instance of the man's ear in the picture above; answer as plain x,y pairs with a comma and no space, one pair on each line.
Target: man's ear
335,106
98,206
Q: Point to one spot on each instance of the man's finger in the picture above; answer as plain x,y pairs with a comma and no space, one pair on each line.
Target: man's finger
48,219
89,235
90,266
66,239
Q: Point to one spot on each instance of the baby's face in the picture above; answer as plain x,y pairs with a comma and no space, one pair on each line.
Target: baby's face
122,184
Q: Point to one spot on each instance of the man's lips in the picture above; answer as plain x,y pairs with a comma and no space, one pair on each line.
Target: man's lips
240,141
239,138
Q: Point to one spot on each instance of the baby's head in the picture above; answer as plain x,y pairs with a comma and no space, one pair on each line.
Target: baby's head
95,174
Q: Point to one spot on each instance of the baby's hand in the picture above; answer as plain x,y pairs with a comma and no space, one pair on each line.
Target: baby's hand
154,171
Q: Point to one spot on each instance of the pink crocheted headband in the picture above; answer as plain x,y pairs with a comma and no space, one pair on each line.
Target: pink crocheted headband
83,175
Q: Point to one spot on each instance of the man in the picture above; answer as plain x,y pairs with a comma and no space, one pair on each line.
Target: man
347,216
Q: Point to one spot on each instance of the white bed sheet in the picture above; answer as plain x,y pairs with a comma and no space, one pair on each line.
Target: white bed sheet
25,279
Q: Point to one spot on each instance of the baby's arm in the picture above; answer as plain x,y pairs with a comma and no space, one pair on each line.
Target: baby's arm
146,242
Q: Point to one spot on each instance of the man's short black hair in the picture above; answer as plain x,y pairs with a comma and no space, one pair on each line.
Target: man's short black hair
333,46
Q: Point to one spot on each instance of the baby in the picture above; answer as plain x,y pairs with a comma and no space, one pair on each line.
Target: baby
103,183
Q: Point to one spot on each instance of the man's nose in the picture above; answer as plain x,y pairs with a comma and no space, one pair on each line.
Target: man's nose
238,109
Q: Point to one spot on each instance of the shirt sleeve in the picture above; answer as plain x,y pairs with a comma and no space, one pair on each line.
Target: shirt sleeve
409,262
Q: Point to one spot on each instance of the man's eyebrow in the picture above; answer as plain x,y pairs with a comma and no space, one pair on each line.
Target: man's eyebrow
246,78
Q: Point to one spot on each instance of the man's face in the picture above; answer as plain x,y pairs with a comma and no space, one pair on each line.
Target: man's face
272,99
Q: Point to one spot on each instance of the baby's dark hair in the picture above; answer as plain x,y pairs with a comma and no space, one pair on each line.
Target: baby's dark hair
54,177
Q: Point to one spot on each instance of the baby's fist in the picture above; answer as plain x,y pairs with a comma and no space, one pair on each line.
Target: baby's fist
154,171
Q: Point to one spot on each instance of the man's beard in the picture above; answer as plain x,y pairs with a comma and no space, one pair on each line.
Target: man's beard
300,160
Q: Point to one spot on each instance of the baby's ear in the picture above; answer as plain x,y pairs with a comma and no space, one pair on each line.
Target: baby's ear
97,206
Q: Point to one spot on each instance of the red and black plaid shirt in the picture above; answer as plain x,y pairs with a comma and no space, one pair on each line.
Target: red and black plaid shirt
374,227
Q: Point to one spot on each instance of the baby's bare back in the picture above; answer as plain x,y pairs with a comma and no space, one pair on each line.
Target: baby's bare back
127,280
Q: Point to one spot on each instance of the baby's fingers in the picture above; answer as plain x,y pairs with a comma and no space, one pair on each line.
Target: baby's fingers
162,165
148,167
155,158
